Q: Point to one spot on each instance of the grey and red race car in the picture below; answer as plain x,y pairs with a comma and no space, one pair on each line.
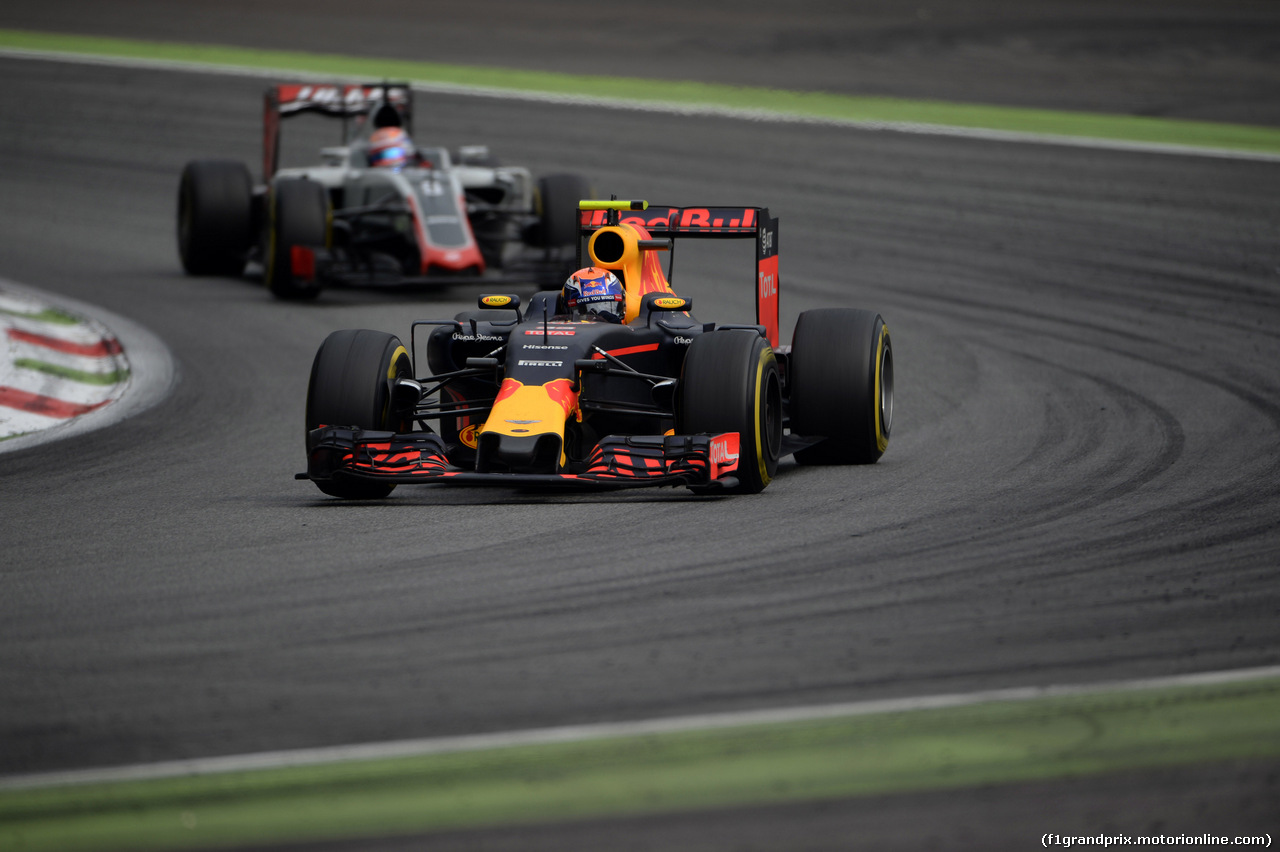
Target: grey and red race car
548,395
433,217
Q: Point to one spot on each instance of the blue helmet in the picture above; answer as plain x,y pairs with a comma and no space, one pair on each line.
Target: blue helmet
389,147
595,292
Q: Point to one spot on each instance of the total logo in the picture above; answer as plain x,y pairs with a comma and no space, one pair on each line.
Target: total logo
768,285
550,332
724,450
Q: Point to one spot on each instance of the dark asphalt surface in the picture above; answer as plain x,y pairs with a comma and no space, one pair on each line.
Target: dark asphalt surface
1082,485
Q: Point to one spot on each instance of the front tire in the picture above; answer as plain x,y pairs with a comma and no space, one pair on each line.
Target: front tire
841,385
730,383
350,385
215,217
298,216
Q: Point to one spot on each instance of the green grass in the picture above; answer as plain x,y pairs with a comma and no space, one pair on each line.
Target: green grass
51,315
986,744
82,376
806,105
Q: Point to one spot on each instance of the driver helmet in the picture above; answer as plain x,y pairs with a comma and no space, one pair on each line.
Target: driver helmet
389,147
595,292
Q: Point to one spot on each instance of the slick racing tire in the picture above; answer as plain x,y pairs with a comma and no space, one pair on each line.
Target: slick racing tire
298,215
841,385
215,217
350,385
730,383
558,208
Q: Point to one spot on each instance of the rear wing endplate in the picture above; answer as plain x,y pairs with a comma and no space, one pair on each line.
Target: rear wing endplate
706,223
394,102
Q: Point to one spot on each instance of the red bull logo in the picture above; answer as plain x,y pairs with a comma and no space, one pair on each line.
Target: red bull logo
561,393
741,220
517,404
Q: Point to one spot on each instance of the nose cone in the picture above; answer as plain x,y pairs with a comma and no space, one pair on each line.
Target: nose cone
524,432
519,453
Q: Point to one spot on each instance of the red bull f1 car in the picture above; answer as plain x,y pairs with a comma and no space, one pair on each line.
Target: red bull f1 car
538,395
432,217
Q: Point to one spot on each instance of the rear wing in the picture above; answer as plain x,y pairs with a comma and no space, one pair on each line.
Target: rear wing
390,103
707,223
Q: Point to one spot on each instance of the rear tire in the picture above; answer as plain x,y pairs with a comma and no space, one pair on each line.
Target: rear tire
215,217
558,211
350,385
730,383
841,385
298,216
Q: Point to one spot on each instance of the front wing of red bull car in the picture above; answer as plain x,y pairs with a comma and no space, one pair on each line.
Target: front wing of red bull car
530,395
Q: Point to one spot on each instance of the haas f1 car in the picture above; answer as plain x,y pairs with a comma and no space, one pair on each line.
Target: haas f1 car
423,216
546,396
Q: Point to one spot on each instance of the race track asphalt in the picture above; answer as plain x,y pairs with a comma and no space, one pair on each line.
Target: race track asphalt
1082,485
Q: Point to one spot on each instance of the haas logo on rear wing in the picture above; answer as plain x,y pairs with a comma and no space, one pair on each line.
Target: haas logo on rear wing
705,222
335,100
345,101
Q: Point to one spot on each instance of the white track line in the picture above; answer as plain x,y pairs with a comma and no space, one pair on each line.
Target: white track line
665,107
605,730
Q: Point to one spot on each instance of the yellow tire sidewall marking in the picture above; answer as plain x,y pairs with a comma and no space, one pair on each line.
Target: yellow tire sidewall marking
758,425
391,375
882,440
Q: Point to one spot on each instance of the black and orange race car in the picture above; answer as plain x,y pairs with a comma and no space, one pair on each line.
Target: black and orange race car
427,217
535,395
